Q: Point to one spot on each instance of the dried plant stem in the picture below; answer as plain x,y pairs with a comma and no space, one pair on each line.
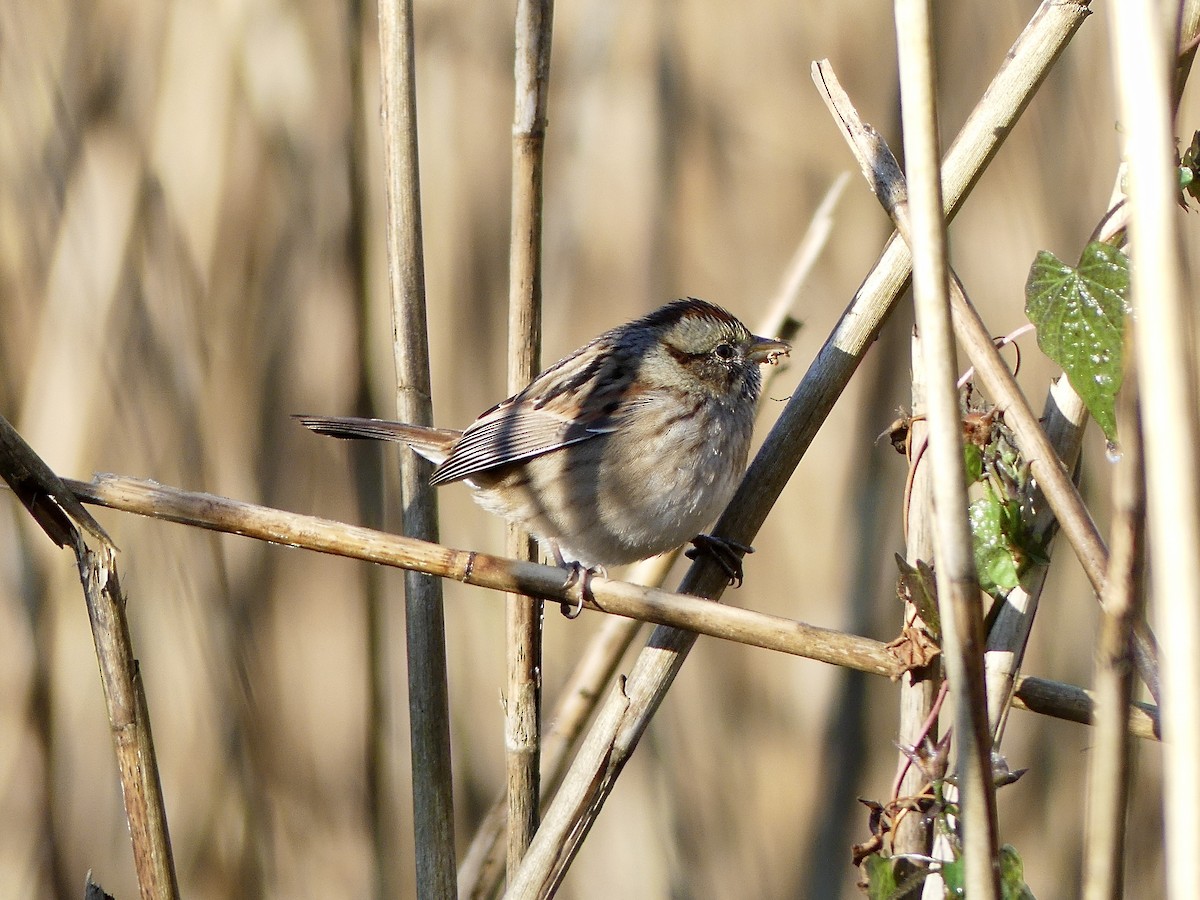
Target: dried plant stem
1063,418
1109,762
958,585
1022,71
129,719
149,498
1066,701
482,866
917,688
479,873
808,251
428,696
883,173
57,510
1162,339
1186,40
523,615
381,766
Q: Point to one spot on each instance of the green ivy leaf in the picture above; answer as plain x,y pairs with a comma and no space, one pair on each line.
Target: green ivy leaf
1080,318
881,877
1012,875
952,877
996,527
1189,166
919,586
973,457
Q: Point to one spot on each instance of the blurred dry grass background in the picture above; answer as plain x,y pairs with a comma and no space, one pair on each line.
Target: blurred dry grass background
180,227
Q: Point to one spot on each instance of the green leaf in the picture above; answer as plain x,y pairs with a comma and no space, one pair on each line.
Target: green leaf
918,585
1012,875
881,877
996,527
973,457
1080,318
952,877
1189,165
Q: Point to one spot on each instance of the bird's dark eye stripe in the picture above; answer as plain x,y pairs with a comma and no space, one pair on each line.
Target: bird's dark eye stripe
682,356
724,351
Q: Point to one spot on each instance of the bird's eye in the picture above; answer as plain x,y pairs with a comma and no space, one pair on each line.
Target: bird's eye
724,351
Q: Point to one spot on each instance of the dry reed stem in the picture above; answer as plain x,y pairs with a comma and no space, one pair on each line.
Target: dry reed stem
55,389
923,226
1063,418
986,127
381,767
1109,764
1066,701
912,834
288,529
129,720
690,612
523,615
881,171
55,508
479,872
157,501
1186,36
1162,340
483,865
428,694
478,875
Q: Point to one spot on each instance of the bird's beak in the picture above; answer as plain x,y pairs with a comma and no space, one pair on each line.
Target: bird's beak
767,350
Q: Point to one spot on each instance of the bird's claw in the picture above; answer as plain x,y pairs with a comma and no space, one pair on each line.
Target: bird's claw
578,573
725,552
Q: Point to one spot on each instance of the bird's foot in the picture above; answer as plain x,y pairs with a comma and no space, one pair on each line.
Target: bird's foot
726,553
578,573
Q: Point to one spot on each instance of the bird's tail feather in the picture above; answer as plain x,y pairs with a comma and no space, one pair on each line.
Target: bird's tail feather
432,443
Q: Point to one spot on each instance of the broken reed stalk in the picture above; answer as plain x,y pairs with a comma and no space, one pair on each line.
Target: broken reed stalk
1022,71
1166,373
58,512
923,226
523,615
428,695
129,720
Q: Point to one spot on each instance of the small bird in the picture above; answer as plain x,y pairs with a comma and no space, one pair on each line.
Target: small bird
618,452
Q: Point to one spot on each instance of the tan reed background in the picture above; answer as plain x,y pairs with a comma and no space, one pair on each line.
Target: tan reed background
179,229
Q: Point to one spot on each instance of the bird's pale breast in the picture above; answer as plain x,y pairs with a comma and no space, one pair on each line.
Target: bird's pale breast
647,487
